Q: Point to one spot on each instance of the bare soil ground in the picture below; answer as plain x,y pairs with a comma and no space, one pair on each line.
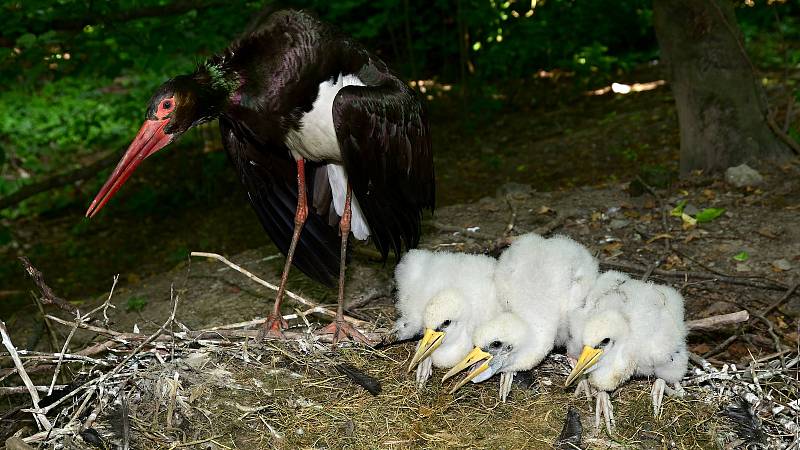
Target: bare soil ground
236,393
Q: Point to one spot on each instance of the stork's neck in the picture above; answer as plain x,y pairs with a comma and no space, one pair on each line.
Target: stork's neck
218,80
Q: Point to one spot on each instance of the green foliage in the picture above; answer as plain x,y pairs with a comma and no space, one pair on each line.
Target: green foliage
709,214
77,74
135,304
741,256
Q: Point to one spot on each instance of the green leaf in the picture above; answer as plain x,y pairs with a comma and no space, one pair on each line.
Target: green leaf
709,214
741,256
678,210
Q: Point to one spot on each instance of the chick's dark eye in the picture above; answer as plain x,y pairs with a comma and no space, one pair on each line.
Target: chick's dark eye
446,323
496,344
605,342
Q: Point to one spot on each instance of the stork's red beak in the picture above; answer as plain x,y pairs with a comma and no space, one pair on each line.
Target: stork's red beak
150,139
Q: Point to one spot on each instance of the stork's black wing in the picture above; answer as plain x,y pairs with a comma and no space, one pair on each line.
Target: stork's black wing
271,184
385,143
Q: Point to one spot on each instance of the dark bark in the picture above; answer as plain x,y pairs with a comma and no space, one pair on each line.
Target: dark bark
722,109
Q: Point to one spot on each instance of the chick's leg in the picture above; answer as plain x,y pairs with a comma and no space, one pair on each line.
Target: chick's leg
506,378
657,394
583,388
606,410
424,371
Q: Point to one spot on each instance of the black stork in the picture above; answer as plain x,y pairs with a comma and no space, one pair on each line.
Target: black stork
321,134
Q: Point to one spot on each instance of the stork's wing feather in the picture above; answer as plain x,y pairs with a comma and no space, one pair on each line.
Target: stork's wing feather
385,143
271,185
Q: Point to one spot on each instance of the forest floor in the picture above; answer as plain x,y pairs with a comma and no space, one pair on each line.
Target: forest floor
568,169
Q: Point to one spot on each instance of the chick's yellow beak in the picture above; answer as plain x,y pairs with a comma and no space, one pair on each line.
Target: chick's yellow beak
475,356
430,341
589,357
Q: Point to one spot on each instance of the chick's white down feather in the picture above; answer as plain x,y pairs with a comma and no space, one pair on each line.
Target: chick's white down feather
645,327
541,281
456,279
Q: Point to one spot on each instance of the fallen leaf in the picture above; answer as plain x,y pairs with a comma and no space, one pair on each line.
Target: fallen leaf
544,210
659,236
709,214
596,216
678,210
709,194
649,203
647,218
768,232
781,265
631,214
612,247
741,256
689,222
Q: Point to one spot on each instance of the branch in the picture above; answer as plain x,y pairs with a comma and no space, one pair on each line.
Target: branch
714,322
740,281
289,294
40,418
57,181
48,296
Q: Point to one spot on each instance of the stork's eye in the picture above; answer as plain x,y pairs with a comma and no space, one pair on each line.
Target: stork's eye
496,344
166,104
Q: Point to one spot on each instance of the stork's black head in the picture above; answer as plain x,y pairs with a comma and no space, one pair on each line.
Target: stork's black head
176,106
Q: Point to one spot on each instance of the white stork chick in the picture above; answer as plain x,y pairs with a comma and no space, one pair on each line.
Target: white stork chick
629,327
443,296
539,282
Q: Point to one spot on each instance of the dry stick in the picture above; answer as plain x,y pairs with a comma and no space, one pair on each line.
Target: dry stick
714,322
40,418
741,281
48,297
9,390
269,285
61,358
782,300
721,346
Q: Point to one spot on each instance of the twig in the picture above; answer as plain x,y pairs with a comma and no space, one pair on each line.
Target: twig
740,281
40,418
269,285
48,297
10,390
61,358
464,231
721,346
714,322
782,300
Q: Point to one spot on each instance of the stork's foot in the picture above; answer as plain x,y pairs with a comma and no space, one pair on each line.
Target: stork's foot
605,410
273,328
342,330
506,379
424,371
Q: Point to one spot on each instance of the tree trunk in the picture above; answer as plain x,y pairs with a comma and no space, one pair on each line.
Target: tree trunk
722,109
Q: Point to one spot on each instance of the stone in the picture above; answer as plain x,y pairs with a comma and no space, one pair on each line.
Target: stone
781,265
743,176
616,224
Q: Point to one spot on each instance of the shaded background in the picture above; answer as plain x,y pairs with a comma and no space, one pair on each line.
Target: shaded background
519,91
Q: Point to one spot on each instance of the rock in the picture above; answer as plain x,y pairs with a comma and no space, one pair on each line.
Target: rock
781,265
616,224
742,176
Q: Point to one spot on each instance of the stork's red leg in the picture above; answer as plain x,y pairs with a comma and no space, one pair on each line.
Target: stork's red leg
275,323
339,328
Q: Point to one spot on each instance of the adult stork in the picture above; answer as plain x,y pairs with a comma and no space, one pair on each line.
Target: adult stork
321,133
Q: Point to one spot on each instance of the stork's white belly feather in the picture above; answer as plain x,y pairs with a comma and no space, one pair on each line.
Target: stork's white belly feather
315,140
